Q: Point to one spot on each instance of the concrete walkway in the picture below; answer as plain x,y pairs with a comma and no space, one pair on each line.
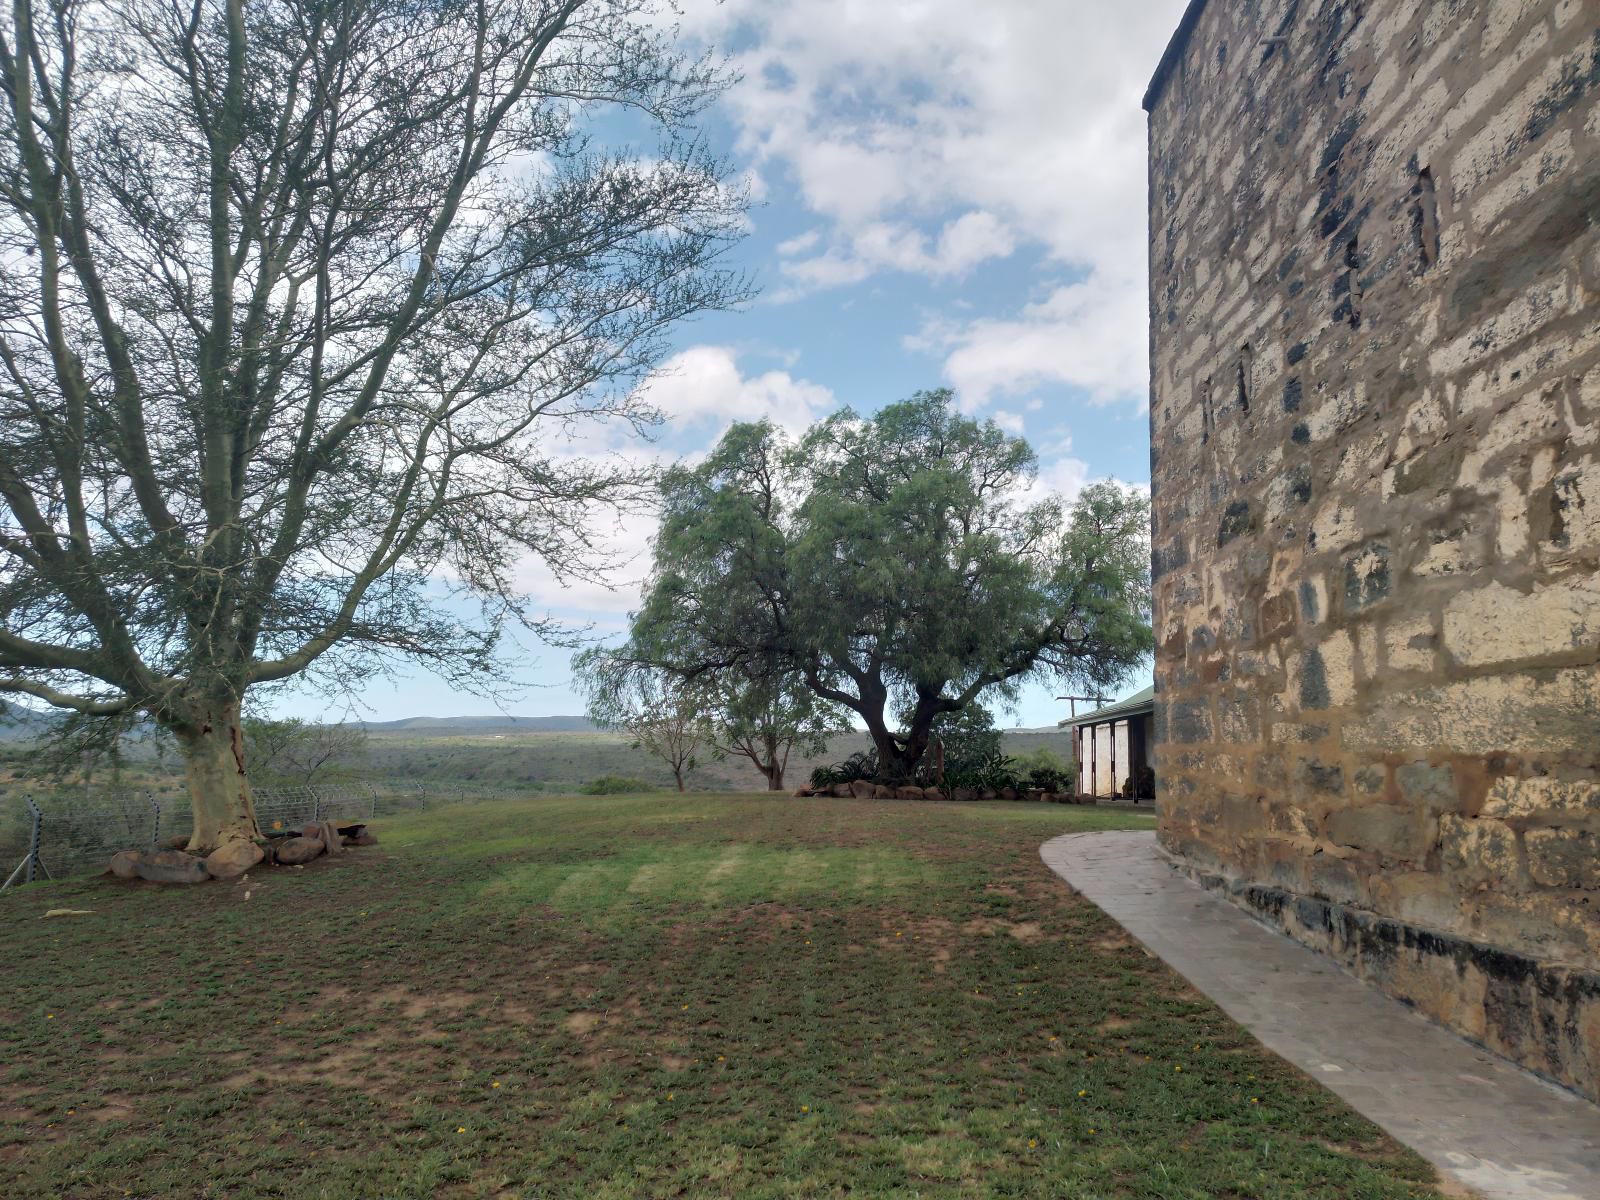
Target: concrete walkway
1500,1131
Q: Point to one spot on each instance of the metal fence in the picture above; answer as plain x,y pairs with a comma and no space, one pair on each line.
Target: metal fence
58,835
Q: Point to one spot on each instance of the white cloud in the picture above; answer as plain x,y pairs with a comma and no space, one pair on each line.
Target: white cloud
1062,476
933,136
1026,111
703,385
1089,335
1009,421
799,244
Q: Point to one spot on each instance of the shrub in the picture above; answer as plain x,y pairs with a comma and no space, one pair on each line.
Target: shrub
1043,770
861,765
614,785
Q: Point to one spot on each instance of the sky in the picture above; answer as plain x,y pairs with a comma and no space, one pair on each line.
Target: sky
946,194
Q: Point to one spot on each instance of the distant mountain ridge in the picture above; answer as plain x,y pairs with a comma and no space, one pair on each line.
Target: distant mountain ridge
496,723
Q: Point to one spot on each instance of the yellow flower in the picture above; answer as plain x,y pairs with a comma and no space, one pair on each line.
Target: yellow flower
1052,1037
1255,1099
1032,1142
495,1084
722,1058
898,933
685,1008
669,1095
1177,1066
805,1108
461,1128
1091,1131
49,1016
1083,1093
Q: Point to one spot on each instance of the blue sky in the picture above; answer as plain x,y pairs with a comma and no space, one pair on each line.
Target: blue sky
943,199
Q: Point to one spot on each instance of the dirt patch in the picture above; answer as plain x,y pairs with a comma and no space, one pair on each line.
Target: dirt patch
581,1023
1027,931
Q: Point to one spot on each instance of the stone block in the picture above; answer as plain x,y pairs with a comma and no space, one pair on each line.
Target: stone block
1367,578
1480,852
1409,643
1530,712
1391,831
1428,787
1539,797
1499,624
1564,858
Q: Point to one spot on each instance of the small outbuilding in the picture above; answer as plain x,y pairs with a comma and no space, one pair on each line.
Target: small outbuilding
1113,743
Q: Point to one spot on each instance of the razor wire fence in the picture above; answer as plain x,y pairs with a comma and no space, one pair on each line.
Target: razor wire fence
53,836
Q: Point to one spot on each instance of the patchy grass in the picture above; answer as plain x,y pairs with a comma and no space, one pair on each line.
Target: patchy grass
653,996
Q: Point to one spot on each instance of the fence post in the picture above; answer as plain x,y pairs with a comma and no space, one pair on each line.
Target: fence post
374,811
31,865
34,839
155,822
316,804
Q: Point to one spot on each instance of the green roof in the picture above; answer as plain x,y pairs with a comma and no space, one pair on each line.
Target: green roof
1134,705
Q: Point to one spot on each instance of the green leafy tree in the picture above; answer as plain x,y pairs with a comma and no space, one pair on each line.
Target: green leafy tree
302,306
766,717
968,736
896,564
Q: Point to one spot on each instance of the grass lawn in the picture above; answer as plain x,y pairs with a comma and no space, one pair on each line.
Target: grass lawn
652,996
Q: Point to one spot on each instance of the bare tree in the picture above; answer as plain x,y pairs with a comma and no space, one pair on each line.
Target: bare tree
289,750
304,308
665,717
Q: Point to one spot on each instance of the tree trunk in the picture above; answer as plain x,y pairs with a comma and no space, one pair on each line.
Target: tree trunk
677,773
219,790
774,773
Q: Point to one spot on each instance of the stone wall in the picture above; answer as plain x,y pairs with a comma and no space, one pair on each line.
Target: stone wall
1375,426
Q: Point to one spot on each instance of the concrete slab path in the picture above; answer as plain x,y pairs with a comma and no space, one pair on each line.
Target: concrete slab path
1500,1131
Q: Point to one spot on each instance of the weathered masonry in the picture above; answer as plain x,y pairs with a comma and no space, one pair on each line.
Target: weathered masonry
1375,419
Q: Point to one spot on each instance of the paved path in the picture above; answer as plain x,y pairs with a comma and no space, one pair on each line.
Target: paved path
1491,1126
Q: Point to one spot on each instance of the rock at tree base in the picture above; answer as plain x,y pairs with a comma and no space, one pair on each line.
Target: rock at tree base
908,793
125,864
233,859
299,850
965,794
331,838
178,842
932,794
312,829
861,789
171,866
841,791
882,792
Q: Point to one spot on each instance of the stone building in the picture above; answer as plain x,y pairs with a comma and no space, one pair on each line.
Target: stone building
1375,423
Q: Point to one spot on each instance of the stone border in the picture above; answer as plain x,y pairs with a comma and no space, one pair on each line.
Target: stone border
1531,1012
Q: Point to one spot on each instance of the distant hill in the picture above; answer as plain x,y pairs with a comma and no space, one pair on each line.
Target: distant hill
19,724
497,723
